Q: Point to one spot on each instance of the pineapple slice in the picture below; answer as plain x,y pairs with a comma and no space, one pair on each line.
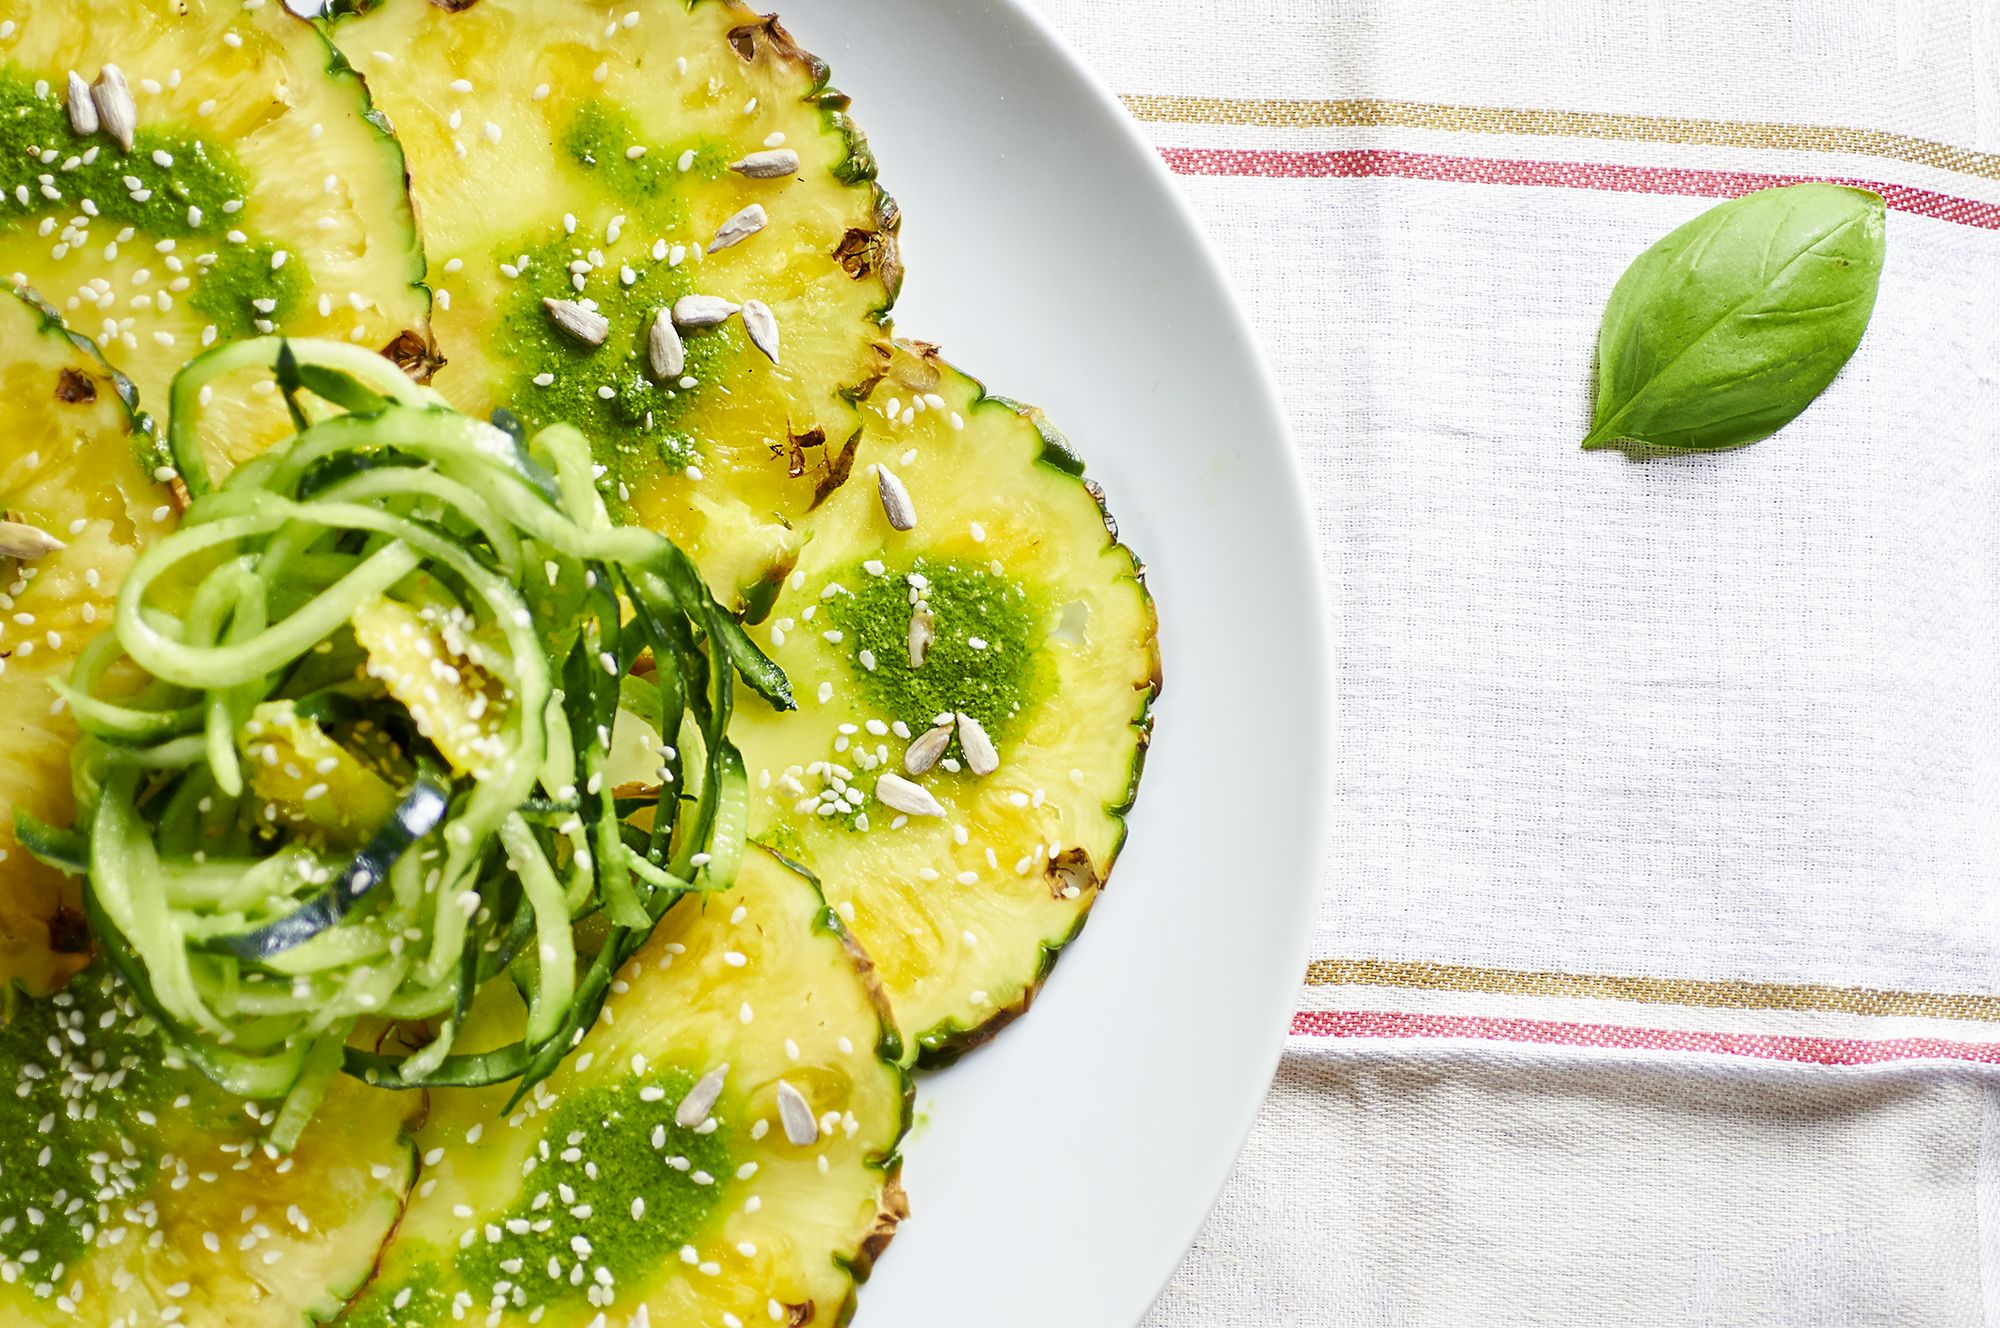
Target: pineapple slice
1033,622
74,464
721,1149
258,190
134,1192
616,163
456,704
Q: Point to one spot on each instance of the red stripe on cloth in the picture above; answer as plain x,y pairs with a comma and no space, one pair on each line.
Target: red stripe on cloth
1377,163
1620,1037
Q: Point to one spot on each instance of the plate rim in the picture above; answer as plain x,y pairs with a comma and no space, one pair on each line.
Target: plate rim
1312,629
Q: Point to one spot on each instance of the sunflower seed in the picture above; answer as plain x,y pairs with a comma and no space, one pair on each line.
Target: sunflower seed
693,313
899,794
925,751
82,108
26,542
796,1114
115,107
980,754
586,325
762,326
694,1108
923,630
739,227
768,165
896,504
664,351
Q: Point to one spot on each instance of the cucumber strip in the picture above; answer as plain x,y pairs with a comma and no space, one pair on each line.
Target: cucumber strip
556,953
124,878
420,812
641,698
111,721
308,1091
642,867
731,825
65,850
593,693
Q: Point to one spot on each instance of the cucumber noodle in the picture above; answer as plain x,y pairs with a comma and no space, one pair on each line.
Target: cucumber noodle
221,880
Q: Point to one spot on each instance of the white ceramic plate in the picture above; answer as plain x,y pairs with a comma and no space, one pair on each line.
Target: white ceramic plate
1057,1175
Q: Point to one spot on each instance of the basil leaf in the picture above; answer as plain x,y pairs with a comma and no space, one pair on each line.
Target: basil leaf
1721,333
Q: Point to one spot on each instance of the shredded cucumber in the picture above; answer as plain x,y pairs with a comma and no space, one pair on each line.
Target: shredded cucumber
399,596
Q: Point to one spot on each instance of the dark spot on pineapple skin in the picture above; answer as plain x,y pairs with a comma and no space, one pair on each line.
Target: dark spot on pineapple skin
75,388
68,932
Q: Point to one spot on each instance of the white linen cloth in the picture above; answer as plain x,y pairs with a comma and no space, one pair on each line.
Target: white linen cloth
1658,972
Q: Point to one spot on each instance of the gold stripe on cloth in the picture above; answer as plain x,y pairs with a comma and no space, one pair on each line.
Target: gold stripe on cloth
1351,113
1724,994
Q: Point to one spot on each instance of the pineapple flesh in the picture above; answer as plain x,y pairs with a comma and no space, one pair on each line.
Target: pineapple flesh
73,467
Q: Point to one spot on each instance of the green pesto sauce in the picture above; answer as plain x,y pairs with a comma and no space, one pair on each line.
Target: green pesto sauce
36,140
995,685
611,1127
636,430
786,839
242,275
598,139
197,194
36,1211
418,1301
